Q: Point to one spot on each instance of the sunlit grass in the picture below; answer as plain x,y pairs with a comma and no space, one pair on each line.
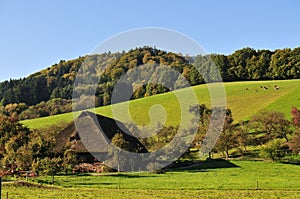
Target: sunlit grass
272,180
243,98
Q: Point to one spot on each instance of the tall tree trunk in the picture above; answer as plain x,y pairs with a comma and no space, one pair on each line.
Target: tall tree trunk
227,154
52,177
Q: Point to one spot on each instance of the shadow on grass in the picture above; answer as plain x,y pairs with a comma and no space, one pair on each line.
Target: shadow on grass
74,174
128,175
291,162
94,183
205,165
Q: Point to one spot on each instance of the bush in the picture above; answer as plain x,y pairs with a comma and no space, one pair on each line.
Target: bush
274,150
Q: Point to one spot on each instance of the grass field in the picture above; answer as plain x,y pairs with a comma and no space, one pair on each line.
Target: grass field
37,193
235,179
243,103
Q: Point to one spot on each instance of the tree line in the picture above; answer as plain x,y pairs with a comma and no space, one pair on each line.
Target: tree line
22,149
270,133
56,82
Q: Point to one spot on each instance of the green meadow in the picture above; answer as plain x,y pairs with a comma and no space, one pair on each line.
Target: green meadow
243,98
213,179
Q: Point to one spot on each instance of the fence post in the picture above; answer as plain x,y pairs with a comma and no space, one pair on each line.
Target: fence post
0,186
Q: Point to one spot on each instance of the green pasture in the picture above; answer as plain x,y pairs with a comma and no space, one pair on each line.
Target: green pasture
214,179
243,98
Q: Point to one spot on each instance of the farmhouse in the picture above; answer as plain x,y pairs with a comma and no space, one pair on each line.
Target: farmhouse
92,125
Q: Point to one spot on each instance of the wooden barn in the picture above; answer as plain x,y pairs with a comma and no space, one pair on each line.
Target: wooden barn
91,134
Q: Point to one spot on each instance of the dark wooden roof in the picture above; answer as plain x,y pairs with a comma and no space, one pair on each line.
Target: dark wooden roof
69,137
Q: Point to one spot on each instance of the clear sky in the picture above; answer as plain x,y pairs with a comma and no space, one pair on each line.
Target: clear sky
37,34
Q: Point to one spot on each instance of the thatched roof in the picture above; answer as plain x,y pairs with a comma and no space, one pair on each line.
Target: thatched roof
104,127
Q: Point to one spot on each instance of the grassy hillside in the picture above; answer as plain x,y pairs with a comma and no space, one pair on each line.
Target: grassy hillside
243,98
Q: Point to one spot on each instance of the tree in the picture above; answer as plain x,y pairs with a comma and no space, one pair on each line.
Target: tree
273,149
294,143
69,160
222,62
36,166
161,138
296,117
279,64
227,139
273,124
23,158
242,137
13,137
13,110
41,142
262,65
241,63
195,76
120,144
203,124
50,166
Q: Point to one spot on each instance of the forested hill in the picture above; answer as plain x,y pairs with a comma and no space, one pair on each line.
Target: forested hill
57,80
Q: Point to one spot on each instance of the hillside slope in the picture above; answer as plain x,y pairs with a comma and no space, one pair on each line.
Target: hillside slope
243,98
57,81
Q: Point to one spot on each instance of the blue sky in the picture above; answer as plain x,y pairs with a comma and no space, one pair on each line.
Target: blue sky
37,34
